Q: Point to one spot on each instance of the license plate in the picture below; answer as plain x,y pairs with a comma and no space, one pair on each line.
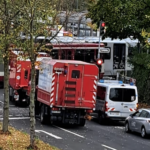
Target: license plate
115,113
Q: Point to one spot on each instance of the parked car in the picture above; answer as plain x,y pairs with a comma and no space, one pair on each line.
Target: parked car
139,122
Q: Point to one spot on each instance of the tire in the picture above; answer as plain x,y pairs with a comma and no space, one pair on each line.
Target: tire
127,128
101,119
28,102
10,98
42,115
143,132
17,103
82,122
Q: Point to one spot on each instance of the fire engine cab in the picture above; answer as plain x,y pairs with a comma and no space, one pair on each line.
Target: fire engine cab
19,76
115,100
66,90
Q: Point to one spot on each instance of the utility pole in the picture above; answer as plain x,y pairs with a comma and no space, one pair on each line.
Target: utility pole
99,39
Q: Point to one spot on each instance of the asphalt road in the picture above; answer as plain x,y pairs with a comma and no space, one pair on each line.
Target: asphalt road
90,137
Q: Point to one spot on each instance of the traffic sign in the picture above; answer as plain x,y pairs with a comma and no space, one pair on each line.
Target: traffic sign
104,50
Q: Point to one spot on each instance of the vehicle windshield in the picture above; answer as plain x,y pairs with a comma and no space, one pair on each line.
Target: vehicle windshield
122,94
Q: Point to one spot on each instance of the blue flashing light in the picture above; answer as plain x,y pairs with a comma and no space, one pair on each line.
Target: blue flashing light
131,83
120,82
101,81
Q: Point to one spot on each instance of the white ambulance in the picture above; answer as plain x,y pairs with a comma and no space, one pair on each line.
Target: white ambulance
115,100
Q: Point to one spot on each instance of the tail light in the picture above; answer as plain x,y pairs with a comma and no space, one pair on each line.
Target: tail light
136,106
99,62
15,92
106,106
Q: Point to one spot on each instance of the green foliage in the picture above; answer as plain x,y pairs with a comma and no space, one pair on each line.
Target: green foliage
141,72
36,18
123,18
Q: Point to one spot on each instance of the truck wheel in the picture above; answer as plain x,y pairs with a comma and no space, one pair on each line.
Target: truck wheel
101,119
11,98
17,103
82,122
42,115
28,101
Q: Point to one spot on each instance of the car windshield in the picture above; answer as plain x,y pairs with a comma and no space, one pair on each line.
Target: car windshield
122,94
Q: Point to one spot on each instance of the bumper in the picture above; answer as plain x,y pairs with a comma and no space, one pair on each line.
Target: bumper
115,117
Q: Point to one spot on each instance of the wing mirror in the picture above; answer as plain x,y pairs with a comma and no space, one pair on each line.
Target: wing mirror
131,115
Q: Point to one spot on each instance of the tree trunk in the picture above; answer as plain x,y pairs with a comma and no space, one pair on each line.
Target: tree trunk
32,106
6,95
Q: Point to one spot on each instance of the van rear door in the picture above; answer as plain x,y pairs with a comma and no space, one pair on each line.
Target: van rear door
129,101
122,100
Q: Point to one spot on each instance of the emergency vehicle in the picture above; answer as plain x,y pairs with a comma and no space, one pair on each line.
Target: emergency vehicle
19,76
66,91
115,100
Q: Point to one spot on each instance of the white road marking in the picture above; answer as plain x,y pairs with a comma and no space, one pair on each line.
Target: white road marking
108,147
70,132
17,118
50,134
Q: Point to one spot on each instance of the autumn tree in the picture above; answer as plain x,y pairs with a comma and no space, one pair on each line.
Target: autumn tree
37,17
8,13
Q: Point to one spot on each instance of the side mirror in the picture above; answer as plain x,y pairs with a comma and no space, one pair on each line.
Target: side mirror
131,115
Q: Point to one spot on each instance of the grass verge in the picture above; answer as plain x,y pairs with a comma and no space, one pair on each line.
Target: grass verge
18,140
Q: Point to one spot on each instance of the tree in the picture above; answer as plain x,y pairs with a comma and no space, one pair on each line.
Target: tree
123,18
8,13
36,18
141,67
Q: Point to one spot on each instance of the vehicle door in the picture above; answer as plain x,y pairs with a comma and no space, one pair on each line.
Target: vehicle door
101,98
141,120
25,73
133,120
129,101
73,87
115,101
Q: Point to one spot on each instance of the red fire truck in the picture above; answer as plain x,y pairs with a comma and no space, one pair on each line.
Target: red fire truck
71,51
66,90
87,52
19,76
